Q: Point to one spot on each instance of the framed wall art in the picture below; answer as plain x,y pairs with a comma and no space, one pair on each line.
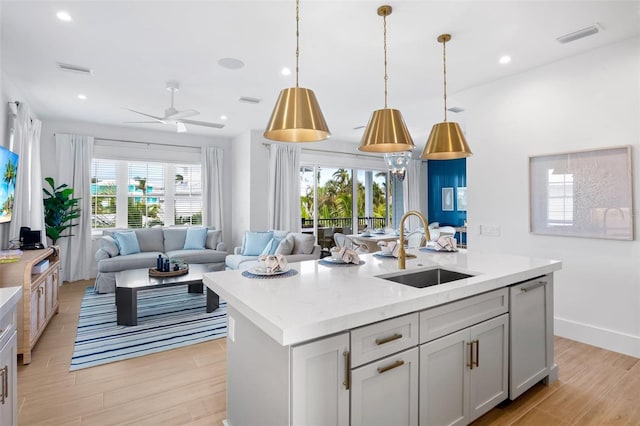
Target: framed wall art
447,199
461,199
582,194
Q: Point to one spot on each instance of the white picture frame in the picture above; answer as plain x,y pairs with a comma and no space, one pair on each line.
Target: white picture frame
582,194
447,199
461,199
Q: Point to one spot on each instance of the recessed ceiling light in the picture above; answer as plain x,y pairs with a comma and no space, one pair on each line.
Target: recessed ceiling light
82,96
223,117
285,71
231,63
504,59
63,16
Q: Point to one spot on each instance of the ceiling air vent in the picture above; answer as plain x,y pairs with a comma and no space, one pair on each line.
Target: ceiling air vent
249,100
576,35
75,68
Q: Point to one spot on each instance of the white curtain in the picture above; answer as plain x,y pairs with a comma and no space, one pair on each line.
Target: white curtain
73,156
284,187
212,187
412,188
28,208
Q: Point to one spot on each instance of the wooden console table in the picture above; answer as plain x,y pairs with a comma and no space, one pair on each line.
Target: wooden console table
39,294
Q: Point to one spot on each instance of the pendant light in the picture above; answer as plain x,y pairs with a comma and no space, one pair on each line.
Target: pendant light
446,141
297,116
386,131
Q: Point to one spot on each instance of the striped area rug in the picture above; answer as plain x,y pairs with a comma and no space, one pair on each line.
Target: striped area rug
168,318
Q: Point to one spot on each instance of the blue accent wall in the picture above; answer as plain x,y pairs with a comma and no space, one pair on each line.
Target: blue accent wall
446,174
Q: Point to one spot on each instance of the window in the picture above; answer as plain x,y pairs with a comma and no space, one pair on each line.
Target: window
136,194
188,195
103,193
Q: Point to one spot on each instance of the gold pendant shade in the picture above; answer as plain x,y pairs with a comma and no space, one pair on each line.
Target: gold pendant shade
446,142
386,132
297,117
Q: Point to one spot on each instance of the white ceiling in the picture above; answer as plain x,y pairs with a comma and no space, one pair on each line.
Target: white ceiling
135,47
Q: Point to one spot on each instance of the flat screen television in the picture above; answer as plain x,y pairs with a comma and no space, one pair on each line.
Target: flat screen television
8,176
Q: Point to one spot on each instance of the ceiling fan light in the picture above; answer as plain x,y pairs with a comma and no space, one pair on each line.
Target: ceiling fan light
386,132
180,127
446,142
297,117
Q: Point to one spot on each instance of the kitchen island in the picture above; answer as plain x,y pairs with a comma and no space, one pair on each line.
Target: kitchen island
340,344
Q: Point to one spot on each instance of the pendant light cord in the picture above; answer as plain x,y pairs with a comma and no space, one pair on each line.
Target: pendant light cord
297,39
444,73
386,77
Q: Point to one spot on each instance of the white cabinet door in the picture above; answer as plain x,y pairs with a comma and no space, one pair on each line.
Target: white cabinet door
464,375
531,333
444,376
385,392
489,381
8,382
319,382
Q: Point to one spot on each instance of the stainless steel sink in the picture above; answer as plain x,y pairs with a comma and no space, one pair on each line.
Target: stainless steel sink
425,278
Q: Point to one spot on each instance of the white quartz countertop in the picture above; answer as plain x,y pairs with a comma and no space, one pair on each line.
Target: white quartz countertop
9,297
322,300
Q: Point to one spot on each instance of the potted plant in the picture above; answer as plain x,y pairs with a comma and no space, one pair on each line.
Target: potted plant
60,209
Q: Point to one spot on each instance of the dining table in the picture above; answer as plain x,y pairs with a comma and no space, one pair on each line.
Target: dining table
371,241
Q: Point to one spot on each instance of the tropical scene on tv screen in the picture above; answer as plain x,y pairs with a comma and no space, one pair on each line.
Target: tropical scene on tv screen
9,168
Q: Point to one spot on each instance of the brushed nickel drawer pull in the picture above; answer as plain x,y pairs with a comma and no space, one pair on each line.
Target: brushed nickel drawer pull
347,361
384,340
390,367
533,286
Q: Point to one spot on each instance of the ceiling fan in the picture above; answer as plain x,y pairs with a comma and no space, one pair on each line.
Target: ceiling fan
173,116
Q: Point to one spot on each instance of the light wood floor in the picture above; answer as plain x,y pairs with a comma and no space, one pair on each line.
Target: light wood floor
187,386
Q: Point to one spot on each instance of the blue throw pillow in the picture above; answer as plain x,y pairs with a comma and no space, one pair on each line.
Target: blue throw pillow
255,242
272,246
127,242
195,239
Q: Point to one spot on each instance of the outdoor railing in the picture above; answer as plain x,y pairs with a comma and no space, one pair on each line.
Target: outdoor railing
345,222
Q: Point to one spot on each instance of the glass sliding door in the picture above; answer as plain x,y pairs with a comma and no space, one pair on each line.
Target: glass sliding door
329,201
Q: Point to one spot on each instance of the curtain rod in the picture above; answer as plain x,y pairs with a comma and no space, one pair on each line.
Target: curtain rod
143,143
331,152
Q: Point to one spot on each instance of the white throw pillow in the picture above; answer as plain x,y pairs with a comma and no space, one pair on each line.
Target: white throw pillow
285,247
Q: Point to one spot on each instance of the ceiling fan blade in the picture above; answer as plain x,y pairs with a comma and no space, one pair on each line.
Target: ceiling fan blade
143,122
160,119
183,114
203,123
180,127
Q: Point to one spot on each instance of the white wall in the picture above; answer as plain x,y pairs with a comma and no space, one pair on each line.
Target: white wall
584,102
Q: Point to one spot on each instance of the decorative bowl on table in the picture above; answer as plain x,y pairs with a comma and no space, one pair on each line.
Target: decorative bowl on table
182,269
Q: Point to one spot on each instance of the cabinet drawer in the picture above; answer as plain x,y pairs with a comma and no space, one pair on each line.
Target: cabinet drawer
383,338
445,319
7,326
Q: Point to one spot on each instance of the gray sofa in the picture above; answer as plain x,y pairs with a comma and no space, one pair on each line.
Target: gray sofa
297,247
169,242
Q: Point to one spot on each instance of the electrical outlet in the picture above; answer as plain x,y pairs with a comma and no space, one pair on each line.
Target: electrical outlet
490,230
231,329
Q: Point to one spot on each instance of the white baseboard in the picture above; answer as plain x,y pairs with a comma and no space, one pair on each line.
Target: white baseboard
603,338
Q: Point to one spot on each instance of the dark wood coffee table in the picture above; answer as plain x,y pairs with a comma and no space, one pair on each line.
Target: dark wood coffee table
129,283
